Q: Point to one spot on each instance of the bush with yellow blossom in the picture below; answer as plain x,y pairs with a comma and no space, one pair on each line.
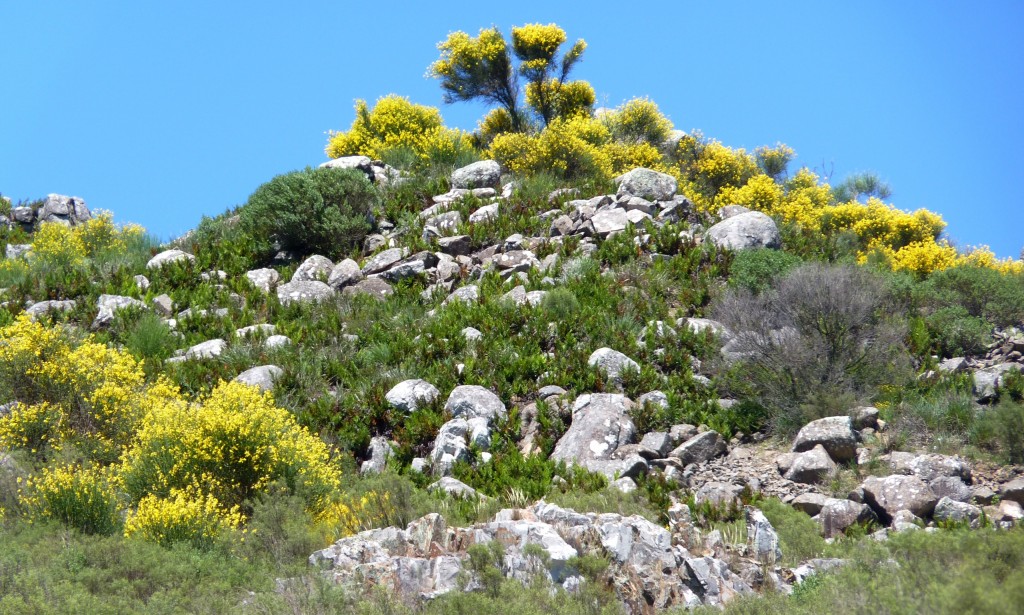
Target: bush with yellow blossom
396,124
79,496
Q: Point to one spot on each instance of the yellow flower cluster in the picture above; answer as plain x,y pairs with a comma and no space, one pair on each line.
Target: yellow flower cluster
638,121
461,49
57,245
184,516
82,497
537,42
396,123
566,99
577,146
187,467
232,444
84,393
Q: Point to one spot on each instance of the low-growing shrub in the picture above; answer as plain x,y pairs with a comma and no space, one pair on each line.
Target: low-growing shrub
314,211
184,516
80,497
822,333
758,270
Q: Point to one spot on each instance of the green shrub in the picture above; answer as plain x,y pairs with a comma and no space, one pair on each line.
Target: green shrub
315,211
824,334
982,292
757,270
1002,428
799,535
957,333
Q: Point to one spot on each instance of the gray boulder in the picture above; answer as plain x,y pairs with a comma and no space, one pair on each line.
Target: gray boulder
169,256
314,268
469,295
472,401
809,503
36,310
608,221
16,250
485,213
206,350
613,363
837,515
700,448
647,184
951,487
951,511
482,174
409,395
835,433
600,425
459,245
303,292
264,279
813,466
372,287
1013,491
111,304
261,376
380,450
891,494
384,260
345,273
988,380
761,537
746,231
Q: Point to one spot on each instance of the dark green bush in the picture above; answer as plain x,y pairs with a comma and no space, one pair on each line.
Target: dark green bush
982,292
1001,428
314,211
757,270
956,333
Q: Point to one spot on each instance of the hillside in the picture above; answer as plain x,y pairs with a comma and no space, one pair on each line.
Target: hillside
575,361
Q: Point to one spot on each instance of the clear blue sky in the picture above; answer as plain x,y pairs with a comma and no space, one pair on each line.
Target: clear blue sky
163,112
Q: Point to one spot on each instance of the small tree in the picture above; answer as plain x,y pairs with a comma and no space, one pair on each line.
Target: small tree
481,68
824,334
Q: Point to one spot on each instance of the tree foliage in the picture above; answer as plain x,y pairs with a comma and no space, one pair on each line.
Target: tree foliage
482,68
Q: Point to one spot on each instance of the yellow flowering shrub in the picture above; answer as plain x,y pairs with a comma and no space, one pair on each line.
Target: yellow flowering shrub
232,444
638,121
55,245
186,515
395,123
81,497
773,160
83,392
560,99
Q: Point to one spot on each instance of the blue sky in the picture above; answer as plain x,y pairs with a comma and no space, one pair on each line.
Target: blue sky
165,112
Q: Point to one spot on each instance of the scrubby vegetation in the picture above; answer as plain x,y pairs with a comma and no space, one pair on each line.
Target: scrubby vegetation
137,478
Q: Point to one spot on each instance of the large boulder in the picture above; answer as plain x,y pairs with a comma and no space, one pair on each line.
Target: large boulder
746,231
472,401
1013,490
482,174
372,287
384,260
169,256
109,305
834,433
261,376
345,273
949,510
891,494
600,425
813,466
68,210
988,380
836,515
303,292
613,363
647,184
379,452
264,279
410,395
314,268
700,448
207,350
761,537
608,221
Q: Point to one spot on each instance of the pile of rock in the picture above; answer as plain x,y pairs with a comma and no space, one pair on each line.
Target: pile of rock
650,568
